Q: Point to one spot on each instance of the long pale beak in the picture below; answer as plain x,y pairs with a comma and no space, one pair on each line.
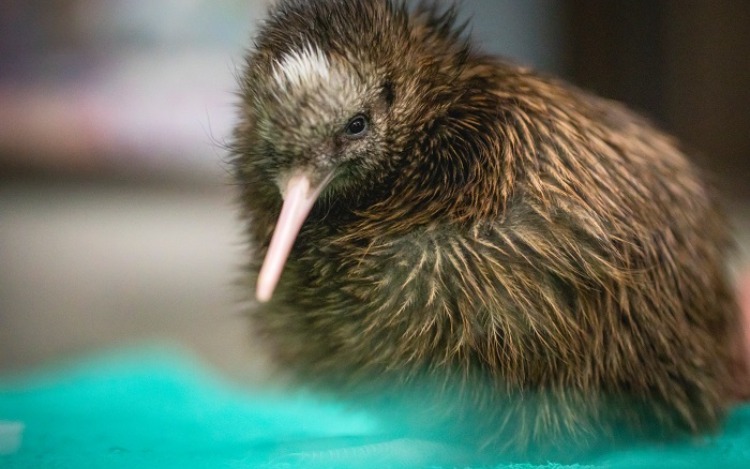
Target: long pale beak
299,198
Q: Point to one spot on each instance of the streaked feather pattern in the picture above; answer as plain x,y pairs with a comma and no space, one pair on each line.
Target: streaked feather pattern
547,260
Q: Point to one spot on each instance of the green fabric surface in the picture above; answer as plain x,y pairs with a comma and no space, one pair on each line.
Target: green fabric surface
158,408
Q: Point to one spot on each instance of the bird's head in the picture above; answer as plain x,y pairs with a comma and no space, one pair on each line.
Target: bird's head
333,93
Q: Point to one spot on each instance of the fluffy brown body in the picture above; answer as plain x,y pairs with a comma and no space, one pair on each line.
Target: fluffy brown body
508,235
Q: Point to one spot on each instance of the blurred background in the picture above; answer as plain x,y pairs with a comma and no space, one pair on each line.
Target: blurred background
117,224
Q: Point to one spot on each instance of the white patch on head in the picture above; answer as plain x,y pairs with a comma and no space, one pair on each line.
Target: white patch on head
306,66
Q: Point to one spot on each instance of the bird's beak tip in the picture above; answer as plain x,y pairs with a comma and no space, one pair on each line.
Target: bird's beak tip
263,297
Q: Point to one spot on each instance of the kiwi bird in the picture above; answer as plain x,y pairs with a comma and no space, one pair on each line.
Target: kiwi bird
536,261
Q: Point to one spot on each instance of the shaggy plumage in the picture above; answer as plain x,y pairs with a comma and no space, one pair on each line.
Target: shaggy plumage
534,261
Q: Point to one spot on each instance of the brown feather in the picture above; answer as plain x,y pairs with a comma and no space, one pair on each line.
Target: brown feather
509,235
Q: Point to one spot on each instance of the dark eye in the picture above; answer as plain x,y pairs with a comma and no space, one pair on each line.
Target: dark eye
357,126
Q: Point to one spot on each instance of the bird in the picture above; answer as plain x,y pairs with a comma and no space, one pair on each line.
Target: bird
531,264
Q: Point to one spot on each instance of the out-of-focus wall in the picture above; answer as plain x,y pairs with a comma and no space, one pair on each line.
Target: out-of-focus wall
136,88
685,64
116,217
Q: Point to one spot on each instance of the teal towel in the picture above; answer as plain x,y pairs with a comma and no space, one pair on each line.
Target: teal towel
151,408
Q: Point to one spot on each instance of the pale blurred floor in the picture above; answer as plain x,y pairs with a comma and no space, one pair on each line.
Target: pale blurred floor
87,267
